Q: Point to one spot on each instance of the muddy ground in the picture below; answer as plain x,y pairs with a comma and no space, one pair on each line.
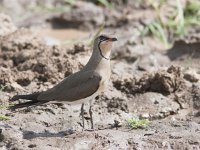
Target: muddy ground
148,80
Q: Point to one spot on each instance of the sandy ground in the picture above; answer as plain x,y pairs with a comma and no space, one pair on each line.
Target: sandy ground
148,81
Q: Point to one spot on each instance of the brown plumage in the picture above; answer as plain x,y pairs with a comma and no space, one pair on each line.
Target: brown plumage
81,86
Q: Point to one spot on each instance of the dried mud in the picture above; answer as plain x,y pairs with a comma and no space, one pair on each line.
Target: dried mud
145,83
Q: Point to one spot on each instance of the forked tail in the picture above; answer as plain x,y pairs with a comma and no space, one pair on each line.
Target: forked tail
33,101
32,97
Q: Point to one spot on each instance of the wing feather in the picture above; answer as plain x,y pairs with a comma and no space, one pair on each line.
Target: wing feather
78,86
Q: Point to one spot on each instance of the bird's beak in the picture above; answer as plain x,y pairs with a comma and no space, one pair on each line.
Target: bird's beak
112,39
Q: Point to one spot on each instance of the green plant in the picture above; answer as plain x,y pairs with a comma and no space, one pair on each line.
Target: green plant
71,2
2,87
89,41
3,107
101,28
175,25
192,8
4,118
157,30
46,9
106,3
180,19
138,123
192,13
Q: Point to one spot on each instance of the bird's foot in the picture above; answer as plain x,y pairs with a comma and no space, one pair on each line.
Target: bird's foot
82,115
68,132
90,130
91,119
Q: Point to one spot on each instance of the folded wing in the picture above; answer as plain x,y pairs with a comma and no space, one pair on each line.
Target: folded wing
78,86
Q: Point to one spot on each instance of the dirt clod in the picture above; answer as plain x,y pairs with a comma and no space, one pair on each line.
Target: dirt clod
164,81
148,81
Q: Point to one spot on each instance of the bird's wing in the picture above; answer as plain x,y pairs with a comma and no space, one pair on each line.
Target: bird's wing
77,86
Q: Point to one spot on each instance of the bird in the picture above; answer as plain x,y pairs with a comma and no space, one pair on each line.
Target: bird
80,87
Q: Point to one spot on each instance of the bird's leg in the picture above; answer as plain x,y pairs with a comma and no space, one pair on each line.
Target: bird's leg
82,115
91,119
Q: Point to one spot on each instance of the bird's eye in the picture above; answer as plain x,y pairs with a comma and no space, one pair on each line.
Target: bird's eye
102,38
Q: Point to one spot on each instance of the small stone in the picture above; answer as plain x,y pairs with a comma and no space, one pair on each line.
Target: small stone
191,76
32,145
6,26
70,131
145,116
64,106
1,136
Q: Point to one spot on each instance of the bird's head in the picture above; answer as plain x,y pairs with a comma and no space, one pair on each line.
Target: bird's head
104,44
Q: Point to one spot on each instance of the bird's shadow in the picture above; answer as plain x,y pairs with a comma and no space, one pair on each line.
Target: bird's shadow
31,134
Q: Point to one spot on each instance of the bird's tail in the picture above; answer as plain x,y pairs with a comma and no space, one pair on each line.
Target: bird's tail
32,97
33,101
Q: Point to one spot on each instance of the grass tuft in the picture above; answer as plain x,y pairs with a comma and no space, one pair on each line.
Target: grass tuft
106,3
5,107
157,30
71,2
177,25
101,28
4,118
138,123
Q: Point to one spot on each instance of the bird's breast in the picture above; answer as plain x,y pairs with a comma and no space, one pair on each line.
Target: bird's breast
104,71
104,81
